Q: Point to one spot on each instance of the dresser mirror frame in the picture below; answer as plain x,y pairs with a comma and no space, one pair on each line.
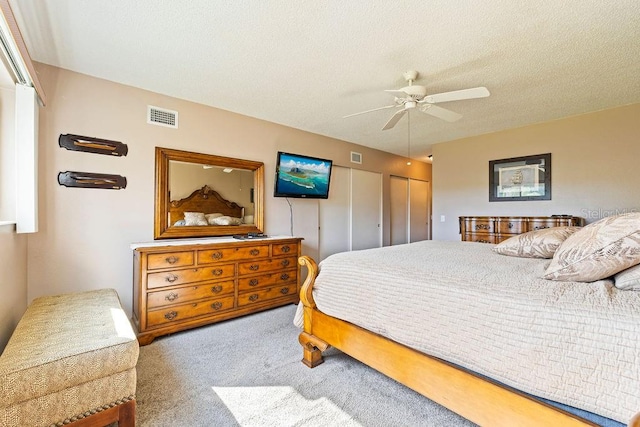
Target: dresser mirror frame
164,230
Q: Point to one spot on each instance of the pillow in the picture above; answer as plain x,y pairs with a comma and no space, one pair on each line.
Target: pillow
535,244
598,250
195,218
179,223
227,220
211,217
629,279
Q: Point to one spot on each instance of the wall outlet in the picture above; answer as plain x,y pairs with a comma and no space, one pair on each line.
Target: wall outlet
441,218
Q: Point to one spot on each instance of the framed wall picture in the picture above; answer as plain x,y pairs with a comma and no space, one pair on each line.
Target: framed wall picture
520,178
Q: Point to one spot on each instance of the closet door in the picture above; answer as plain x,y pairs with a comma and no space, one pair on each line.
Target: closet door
399,195
334,218
419,212
366,209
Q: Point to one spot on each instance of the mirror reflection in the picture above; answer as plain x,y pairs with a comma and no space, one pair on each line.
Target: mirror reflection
231,184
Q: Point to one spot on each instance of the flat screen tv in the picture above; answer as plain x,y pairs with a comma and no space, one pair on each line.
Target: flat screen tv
302,176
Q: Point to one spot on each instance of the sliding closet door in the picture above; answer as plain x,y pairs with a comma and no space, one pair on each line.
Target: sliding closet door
334,218
399,195
366,209
419,212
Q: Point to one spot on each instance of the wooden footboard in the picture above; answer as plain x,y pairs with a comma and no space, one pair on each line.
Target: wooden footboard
477,399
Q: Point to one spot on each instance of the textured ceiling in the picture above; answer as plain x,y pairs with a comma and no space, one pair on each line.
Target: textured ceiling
307,63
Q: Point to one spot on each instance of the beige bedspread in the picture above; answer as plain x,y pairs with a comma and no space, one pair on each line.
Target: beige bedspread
574,343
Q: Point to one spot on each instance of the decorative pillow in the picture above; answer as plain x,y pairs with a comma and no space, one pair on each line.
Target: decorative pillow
629,279
227,220
179,223
211,217
598,250
195,218
535,244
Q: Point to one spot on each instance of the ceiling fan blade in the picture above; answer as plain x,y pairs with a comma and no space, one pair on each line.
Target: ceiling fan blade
441,113
394,119
457,95
369,111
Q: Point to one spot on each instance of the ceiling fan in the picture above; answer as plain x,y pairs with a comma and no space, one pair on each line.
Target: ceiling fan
415,96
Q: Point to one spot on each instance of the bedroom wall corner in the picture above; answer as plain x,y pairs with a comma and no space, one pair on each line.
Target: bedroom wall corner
594,169
13,286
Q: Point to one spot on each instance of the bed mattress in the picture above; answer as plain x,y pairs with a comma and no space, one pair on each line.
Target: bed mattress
569,342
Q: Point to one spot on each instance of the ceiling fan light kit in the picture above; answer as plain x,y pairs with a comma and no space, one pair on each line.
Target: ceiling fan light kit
412,96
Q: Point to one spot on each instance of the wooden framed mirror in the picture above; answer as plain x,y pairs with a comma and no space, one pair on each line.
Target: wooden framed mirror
203,195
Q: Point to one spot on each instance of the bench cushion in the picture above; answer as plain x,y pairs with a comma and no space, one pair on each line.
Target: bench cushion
66,340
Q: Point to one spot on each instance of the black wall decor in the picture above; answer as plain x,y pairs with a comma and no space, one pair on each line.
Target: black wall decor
92,180
92,145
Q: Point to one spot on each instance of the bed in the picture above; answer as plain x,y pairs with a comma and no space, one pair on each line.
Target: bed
481,333
197,209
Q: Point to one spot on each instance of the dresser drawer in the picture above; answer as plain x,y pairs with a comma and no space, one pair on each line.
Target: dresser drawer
540,224
483,225
285,249
266,265
189,293
480,238
178,277
184,312
232,254
169,260
266,294
511,225
249,283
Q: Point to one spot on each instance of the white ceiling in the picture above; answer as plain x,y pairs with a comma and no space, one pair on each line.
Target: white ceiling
307,63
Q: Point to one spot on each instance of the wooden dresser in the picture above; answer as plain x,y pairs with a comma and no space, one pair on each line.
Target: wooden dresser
183,284
495,229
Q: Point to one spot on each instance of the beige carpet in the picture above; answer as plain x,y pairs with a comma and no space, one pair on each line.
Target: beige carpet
247,372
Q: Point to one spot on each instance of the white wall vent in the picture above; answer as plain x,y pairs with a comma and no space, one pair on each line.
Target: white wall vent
162,117
356,157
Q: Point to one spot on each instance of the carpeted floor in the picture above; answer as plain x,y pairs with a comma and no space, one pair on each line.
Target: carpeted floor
247,372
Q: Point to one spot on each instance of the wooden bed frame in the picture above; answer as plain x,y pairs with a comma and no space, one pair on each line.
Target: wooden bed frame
477,399
205,200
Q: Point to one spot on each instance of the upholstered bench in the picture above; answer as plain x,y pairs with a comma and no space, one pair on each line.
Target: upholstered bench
70,361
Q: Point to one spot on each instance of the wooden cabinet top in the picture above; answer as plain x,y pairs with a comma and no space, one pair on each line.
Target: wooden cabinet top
181,244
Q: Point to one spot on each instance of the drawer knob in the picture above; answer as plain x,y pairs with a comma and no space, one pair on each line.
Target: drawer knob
482,226
254,252
511,225
285,262
253,282
172,259
254,267
171,315
171,278
253,297
285,248
216,255
216,289
216,305
284,276
540,227
217,272
284,291
171,297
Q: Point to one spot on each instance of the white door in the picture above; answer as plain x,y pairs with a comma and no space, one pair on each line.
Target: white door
399,210
334,219
419,212
366,209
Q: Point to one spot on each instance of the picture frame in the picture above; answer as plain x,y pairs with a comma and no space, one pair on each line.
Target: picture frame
520,178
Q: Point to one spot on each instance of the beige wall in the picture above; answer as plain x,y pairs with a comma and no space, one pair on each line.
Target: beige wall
84,236
594,169
13,286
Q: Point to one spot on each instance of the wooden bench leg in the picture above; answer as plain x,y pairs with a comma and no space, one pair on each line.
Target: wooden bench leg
124,414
